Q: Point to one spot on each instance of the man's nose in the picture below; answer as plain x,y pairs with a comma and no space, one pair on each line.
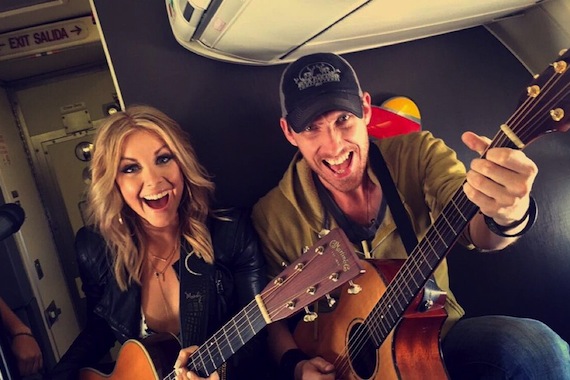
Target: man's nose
334,139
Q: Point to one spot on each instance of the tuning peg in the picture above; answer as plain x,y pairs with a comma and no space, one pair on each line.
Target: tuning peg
305,249
284,264
310,316
354,288
300,266
290,305
533,91
560,66
334,277
330,301
562,52
312,290
323,232
278,281
557,114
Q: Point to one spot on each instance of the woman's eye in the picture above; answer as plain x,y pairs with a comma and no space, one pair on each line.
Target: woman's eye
129,169
163,159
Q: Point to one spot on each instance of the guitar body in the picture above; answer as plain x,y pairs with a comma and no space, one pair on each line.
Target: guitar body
410,351
150,359
327,265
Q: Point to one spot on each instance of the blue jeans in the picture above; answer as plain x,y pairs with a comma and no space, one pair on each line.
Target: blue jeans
501,347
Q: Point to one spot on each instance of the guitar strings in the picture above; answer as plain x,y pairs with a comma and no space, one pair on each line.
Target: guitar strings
342,363
499,140
544,107
244,320
436,228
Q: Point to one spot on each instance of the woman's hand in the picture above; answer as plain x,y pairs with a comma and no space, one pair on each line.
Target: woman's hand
180,366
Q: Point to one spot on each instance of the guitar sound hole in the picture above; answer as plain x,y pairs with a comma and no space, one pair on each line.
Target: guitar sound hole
362,351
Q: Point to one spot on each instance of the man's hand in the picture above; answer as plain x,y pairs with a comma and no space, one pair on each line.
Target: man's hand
314,369
500,183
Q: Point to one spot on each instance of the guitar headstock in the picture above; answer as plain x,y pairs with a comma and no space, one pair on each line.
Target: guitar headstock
328,264
545,107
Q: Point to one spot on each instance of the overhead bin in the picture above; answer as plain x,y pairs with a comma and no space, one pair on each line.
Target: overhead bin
266,32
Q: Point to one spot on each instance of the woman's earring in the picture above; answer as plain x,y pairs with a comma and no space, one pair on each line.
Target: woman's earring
120,219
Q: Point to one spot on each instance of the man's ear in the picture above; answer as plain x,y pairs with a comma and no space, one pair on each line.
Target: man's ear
287,131
366,107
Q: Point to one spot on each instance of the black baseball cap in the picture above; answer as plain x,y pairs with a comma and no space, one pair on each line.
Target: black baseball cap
316,84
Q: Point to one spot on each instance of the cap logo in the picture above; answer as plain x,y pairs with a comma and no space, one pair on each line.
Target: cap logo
317,74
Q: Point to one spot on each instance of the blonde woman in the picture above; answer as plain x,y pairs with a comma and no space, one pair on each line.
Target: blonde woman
156,259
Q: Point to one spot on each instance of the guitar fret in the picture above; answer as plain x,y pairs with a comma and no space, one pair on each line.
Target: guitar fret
250,325
212,358
201,358
447,221
417,264
440,237
432,249
237,330
228,339
458,209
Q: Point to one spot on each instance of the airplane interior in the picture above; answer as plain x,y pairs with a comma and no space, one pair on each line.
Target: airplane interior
214,66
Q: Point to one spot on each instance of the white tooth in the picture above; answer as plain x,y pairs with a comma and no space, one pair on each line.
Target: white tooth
154,197
339,160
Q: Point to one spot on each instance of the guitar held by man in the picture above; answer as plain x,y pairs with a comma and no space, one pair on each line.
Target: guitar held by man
388,195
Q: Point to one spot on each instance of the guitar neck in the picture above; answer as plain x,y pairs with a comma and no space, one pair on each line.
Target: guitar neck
425,258
327,265
421,264
225,342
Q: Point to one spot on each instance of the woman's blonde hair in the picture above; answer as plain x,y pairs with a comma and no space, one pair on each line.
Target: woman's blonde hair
113,218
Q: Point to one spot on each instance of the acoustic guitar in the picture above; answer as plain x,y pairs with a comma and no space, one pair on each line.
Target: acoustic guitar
378,333
324,267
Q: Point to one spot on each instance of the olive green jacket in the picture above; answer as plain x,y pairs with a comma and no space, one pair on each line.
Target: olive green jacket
426,173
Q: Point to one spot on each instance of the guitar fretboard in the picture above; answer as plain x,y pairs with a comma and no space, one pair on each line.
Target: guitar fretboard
423,261
225,342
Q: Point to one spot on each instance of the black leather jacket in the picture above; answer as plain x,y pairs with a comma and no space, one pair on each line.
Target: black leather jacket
115,315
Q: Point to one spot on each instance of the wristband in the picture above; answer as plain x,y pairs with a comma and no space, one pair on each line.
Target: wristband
23,333
531,214
289,361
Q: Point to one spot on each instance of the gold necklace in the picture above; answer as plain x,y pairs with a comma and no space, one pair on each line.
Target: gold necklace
166,261
158,273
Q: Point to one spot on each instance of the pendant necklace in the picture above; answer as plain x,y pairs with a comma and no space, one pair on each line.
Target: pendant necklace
161,273
157,272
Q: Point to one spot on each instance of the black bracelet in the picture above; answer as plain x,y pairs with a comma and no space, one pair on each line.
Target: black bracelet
531,214
23,333
289,361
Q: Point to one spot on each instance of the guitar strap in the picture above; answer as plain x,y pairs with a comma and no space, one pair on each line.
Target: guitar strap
357,234
403,223
196,295
432,292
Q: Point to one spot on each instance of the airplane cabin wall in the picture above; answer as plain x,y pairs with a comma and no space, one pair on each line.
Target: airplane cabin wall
461,81
32,292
